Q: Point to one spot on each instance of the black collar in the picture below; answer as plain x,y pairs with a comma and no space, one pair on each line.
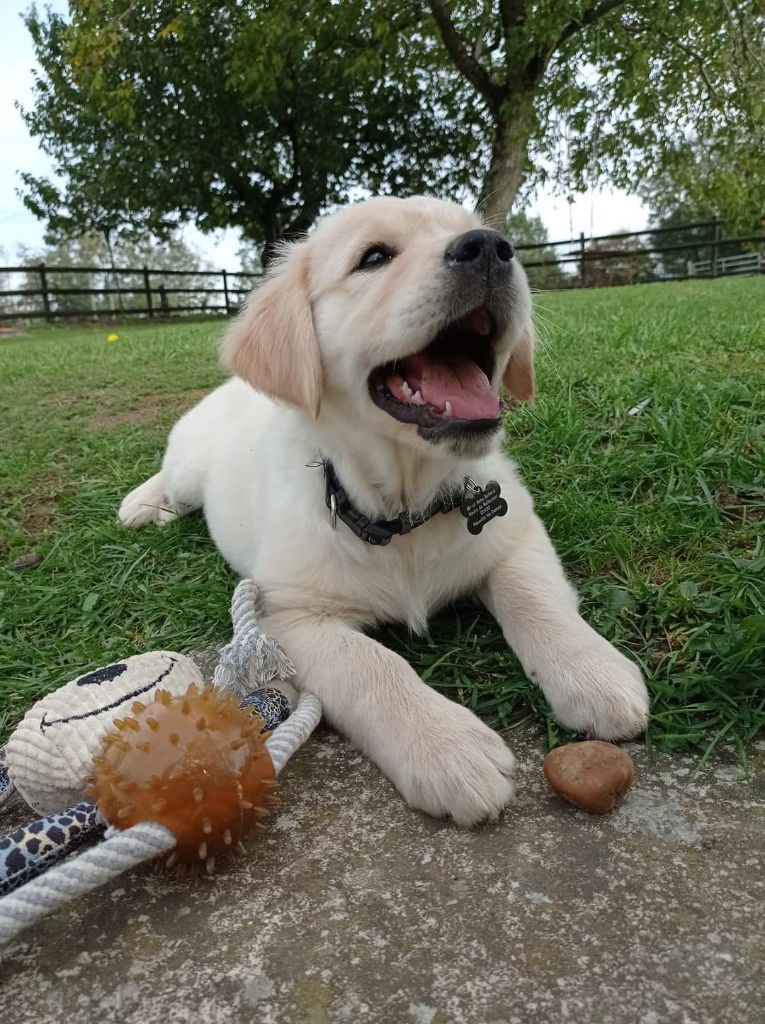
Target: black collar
380,531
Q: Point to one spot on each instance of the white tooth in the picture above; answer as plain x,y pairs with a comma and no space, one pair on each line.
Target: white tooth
406,389
448,408
417,399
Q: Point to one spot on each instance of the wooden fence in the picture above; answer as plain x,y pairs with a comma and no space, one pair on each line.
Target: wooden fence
638,257
628,257
48,292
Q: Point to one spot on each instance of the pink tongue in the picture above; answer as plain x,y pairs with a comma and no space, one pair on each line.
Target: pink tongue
461,382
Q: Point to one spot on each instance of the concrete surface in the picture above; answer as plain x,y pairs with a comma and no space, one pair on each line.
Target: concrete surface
355,909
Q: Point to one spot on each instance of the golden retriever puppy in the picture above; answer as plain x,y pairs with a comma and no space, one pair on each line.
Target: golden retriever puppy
353,466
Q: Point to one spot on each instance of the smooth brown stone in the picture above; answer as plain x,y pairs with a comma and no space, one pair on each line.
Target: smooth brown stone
592,775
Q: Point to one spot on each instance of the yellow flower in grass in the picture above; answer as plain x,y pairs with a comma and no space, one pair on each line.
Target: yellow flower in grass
112,337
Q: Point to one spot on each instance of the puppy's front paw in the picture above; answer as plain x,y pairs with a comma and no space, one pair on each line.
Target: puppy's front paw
598,692
146,505
456,766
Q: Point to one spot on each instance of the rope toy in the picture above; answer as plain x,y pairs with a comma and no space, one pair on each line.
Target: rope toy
252,660
186,771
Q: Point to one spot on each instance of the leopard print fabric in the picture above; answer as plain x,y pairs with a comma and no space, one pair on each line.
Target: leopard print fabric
32,849
270,703
7,789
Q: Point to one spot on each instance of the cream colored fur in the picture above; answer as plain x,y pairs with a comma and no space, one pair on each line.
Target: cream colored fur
309,338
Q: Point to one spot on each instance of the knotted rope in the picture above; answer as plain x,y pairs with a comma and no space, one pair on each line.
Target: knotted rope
252,659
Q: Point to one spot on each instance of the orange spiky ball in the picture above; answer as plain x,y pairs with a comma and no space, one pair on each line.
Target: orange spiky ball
196,764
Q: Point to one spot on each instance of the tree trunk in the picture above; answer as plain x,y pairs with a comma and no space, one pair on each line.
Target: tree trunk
113,265
507,168
298,226
268,252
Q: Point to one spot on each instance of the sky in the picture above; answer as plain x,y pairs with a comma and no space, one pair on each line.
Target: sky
601,211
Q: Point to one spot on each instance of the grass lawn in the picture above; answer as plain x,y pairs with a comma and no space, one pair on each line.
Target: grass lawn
658,517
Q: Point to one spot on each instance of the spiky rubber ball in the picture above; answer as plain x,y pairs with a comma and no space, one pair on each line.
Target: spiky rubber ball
196,764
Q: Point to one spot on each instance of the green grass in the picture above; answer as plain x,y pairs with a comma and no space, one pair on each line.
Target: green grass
658,517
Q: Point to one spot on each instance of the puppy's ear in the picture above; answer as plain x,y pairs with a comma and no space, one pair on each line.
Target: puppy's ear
272,343
518,377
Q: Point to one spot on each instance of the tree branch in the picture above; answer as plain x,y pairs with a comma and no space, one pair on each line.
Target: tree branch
699,62
537,66
483,28
463,60
589,17
511,13
304,218
687,50
747,53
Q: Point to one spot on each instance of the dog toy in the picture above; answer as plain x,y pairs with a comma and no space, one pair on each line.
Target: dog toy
50,754
196,764
173,766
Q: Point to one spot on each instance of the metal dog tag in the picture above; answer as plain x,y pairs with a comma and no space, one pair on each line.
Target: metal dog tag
481,505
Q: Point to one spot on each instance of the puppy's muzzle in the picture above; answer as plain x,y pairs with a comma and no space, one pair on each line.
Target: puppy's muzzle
481,253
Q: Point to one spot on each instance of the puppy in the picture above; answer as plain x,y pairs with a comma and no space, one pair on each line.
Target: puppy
345,467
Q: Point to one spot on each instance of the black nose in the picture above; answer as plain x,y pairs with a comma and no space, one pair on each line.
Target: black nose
480,251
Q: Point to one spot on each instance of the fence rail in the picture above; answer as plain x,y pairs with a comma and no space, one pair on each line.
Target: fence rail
626,257
744,263
636,257
137,291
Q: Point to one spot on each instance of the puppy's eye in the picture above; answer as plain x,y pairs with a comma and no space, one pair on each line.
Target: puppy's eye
375,257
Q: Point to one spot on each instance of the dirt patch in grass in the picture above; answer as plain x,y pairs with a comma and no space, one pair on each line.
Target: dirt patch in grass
106,419
179,401
38,515
66,401
152,405
740,507
35,513
39,511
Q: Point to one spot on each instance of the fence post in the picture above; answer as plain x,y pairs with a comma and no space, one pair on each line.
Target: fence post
583,272
224,275
147,289
713,246
45,291
164,305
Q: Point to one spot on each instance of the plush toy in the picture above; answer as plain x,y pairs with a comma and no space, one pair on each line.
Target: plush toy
171,765
50,755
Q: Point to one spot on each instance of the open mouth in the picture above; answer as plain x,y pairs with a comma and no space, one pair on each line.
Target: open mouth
447,386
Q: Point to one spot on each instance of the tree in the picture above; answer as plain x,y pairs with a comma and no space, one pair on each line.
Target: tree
722,168
259,115
92,251
235,113
525,231
685,205
590,90
616,261
679,215
715,179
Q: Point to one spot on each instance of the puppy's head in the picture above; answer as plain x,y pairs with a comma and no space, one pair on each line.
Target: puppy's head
400,315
